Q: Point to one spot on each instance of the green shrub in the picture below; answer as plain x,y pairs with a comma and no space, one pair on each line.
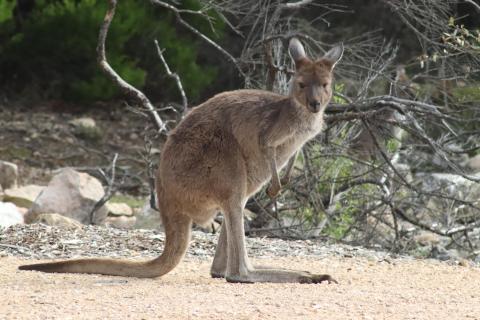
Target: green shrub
53,52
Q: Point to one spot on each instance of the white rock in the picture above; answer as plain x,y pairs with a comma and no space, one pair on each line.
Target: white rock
119,209
8,174
83,122
9,215
23,196
71,194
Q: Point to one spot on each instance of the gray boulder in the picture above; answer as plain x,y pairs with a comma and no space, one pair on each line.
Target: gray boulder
71,194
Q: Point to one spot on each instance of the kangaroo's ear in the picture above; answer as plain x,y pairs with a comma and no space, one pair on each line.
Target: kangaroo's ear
334,55
297,52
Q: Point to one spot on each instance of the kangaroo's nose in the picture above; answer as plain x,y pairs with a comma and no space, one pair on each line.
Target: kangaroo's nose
315,105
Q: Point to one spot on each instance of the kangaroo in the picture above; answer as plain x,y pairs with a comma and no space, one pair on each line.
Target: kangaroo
218,156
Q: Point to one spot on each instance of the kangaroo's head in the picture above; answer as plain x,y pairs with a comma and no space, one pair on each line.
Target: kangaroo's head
312,83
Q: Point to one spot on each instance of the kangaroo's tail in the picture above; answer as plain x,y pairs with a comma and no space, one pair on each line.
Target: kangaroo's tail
177,229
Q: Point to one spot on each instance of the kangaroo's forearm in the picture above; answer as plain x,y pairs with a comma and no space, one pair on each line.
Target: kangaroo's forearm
289,169
270,155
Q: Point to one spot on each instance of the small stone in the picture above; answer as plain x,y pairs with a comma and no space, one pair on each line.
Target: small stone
83,122
86,128
121,222
463,262
55,219
118,209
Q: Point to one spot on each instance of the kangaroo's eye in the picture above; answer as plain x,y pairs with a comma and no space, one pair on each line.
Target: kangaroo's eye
301,85
325,85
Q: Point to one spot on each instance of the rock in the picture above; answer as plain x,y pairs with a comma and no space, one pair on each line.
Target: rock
86,128
477,260
9,215
148,218
1,193
427,238
83,122
119,209
8,175
54,219
451,185
23,196
474,163
23,210
121,222
440,253
71,194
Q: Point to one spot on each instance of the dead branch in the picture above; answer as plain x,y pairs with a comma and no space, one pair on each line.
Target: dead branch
127,89
178,15
110,189
174,76
473,3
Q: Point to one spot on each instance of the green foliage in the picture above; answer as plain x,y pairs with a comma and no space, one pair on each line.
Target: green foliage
6,9
348,209
393,145
341,223
53,53
458,37
131,201
466,94
340,88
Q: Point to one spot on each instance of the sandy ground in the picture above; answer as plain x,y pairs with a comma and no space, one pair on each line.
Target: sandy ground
394,289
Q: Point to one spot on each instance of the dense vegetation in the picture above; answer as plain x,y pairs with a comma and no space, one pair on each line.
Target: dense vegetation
48,50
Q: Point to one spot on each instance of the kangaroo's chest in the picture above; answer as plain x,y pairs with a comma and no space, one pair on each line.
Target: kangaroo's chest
259,171
297,140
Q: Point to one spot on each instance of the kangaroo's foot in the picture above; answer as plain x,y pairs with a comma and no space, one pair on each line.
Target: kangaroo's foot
222,271
217,274
279,276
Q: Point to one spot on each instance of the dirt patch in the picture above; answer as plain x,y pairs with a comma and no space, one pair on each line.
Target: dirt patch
372,284
41,139
404,289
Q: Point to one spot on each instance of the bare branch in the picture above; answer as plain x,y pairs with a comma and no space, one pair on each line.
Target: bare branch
110,188
296,5
122,84
174,76
473,3
179,18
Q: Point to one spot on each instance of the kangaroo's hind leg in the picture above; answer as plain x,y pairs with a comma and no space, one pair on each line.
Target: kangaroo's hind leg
219,265
239,268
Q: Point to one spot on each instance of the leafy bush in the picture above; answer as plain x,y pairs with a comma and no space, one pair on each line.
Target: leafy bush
52,53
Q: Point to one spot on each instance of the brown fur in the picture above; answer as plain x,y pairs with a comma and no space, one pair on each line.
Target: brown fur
222,153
